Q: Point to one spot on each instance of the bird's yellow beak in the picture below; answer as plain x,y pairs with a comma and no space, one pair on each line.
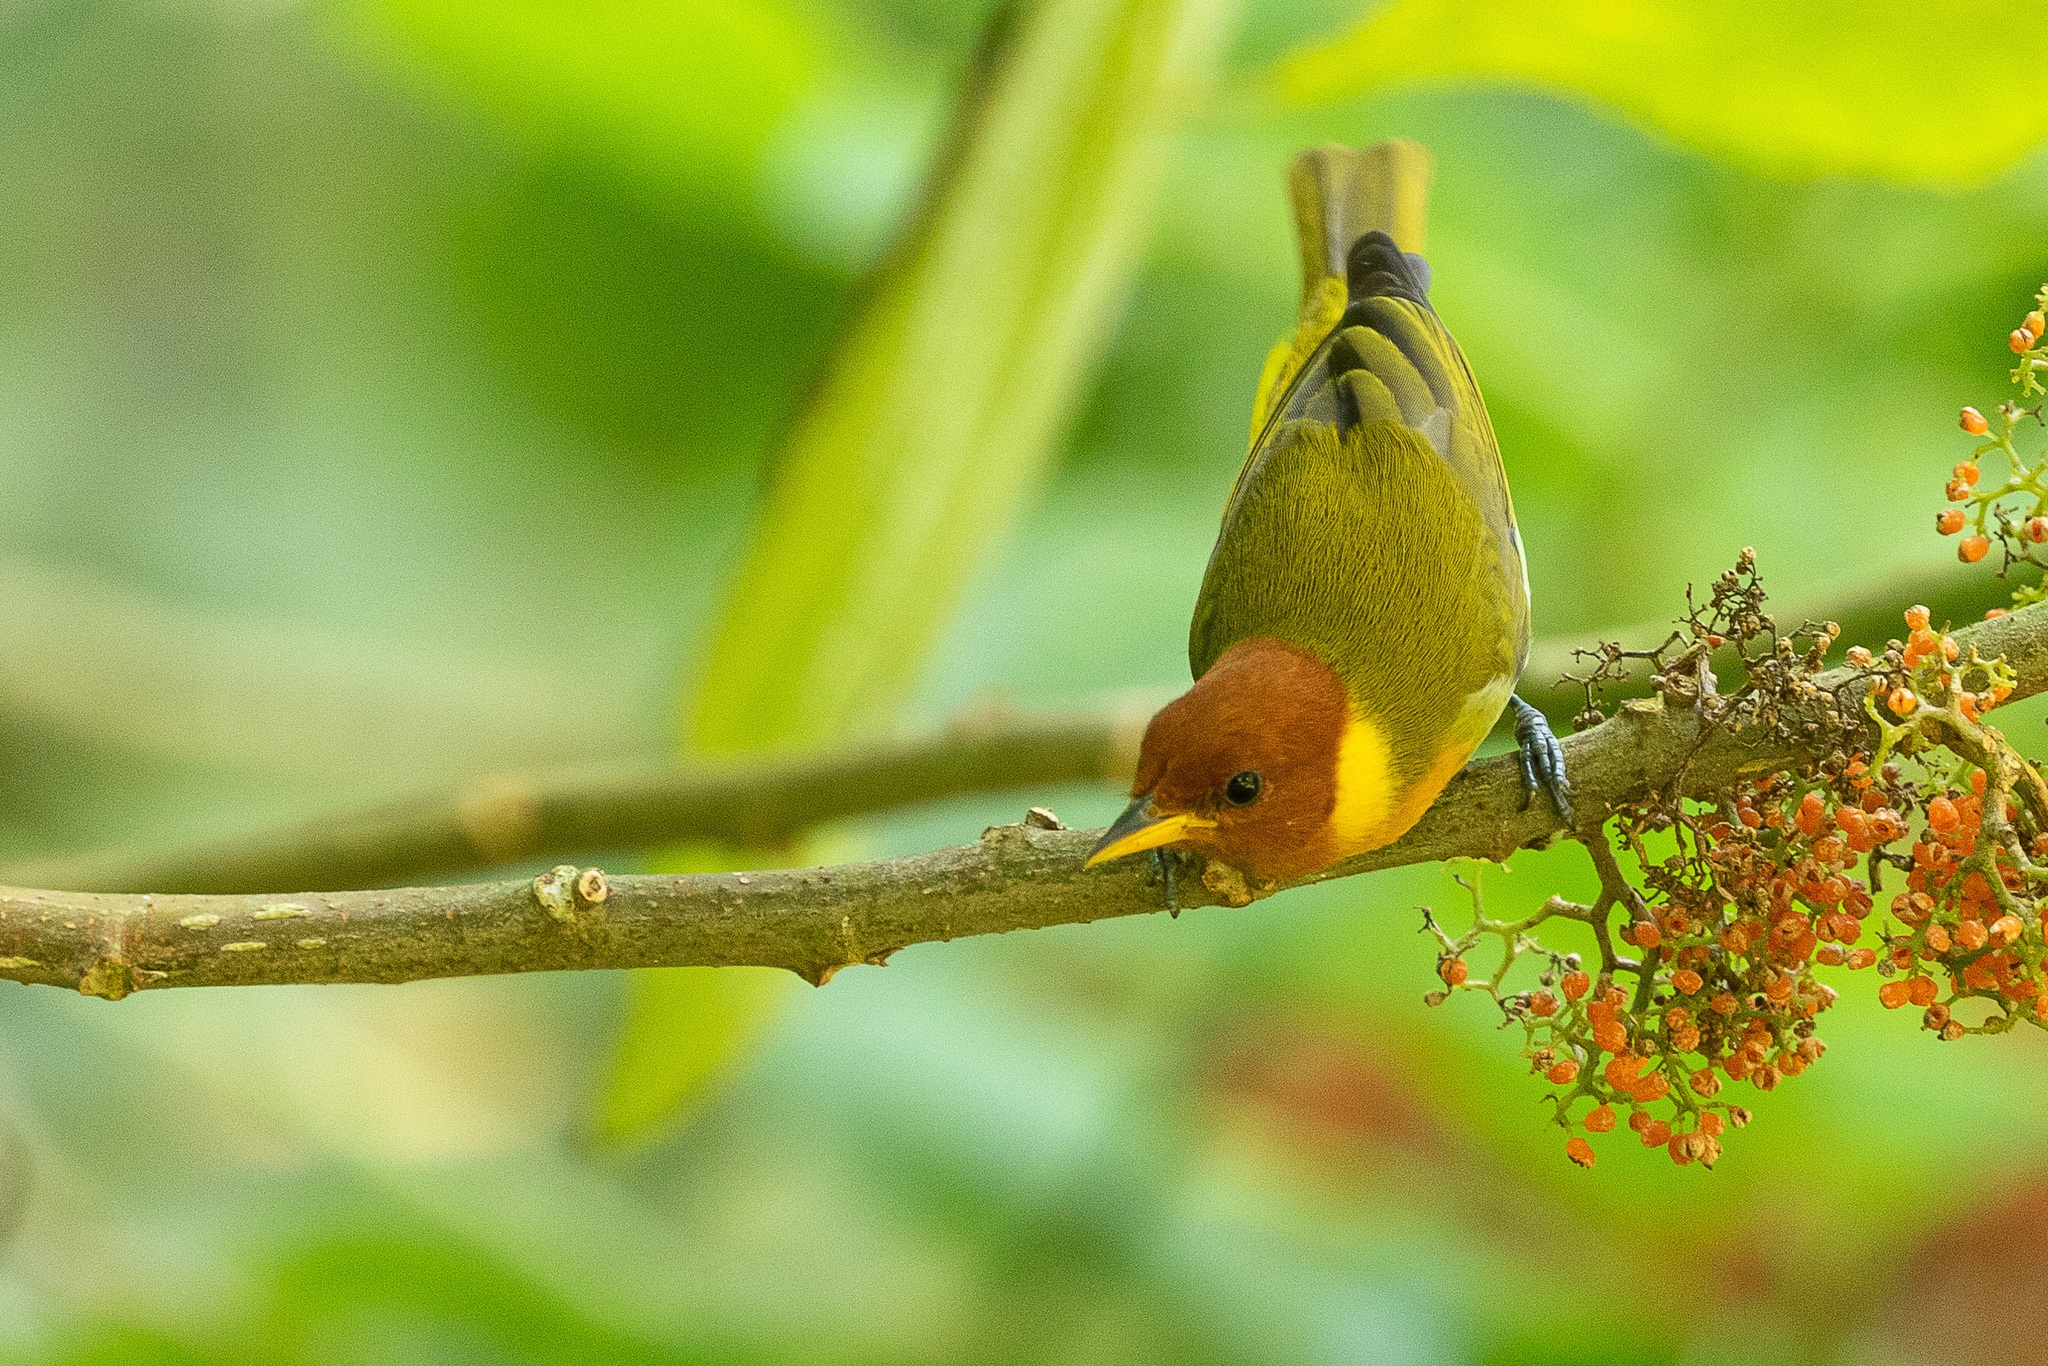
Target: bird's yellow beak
1141,828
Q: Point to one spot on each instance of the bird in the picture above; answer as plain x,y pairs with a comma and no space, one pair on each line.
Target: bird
1364,617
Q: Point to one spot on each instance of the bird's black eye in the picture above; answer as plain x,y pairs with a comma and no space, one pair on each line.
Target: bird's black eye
1244,788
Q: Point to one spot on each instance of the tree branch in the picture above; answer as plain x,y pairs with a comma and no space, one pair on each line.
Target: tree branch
814,921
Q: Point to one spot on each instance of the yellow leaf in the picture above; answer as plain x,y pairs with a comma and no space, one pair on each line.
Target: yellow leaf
1896,89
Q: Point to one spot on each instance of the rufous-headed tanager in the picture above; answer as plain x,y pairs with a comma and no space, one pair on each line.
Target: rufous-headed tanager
1365,614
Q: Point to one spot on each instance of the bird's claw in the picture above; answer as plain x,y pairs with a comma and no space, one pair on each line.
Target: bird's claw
1542,760
1162,863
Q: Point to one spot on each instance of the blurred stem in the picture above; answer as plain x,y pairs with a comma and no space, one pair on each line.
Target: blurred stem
757,804
814,921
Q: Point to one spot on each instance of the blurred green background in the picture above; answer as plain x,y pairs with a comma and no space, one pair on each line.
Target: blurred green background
386,395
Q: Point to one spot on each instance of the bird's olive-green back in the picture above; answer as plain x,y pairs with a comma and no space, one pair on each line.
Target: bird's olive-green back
1372,523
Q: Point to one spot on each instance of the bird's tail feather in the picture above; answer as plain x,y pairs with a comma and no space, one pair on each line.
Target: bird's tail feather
1341,194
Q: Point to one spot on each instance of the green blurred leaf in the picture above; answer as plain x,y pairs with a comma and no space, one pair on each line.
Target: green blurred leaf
1898,90
684,1029
676,93
936,417
944,401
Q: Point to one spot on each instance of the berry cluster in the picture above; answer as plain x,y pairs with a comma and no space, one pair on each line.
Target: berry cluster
1731,908
2013,512
1737,904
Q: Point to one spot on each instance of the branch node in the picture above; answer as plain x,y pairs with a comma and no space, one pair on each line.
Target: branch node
110,979
1227,884
554,890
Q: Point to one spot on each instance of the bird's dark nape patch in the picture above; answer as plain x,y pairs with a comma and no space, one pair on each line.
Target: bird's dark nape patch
1377,269
1339,360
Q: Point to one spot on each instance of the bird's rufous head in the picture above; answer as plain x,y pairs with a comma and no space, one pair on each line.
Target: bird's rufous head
1242,767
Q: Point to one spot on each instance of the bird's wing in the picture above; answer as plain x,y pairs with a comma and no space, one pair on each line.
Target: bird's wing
1373,512
1387,357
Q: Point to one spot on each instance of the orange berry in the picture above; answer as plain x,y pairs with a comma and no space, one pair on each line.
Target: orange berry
1453,972
1712,1124
1621,1072
1704,1082
2020,340
1995,613
1611,1037
1921,991
1646,936
1686,981
1948,521
1811,808
1860,959
1860,657
1563,1074
1723,1004
1937,938
1830,955
1917,618
1967,705
1967,472
1973,548
1894,994
1977,781
2034,324
1942,815
1651,1088
1543,1005
1579,1151
1955,490
2037,529
1902,701
1972,421
1600,1120
1575,985
1972,935
2005,929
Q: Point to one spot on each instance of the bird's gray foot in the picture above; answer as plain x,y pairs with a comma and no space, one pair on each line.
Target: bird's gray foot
1542,760
1162,863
